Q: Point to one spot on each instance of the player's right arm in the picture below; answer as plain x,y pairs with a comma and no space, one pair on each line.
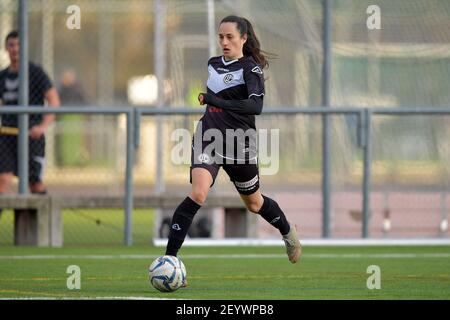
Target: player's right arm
250,106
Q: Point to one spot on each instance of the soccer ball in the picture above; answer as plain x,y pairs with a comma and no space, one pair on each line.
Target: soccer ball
167,273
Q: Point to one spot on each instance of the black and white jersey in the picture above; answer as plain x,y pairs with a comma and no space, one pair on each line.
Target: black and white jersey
234,81
238,79
39,83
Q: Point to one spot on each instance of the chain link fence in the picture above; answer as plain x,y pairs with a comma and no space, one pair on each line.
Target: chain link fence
111,61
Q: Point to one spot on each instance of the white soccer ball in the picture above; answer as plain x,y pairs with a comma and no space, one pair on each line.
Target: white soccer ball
167,273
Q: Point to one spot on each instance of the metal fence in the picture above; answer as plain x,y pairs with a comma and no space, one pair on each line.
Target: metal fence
392,215
328,56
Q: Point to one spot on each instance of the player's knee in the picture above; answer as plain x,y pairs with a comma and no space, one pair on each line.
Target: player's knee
253,206
199,195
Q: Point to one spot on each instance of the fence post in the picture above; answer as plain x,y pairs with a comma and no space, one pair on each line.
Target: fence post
326,134
22,145
366,175
129,179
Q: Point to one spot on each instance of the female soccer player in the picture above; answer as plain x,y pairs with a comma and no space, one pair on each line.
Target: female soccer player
235,91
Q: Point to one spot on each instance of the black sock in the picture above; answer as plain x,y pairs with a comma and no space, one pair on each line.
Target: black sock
272,213
181,221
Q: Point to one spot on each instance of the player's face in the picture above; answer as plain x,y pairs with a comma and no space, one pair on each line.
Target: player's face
12,46
231,41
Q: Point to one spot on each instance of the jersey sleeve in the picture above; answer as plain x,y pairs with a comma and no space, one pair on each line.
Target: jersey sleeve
254,80
42,80
210,60
2,87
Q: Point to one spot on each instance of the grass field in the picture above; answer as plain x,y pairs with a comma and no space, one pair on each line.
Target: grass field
230,273
88,227
93,241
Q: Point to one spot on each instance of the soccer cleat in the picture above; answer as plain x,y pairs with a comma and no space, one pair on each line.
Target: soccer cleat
293,246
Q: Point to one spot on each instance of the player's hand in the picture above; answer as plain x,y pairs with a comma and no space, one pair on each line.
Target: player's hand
36,132
207,98
201,98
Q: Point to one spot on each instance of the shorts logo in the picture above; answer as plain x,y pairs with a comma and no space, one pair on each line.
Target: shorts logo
204,158
228,78
257,70
176,226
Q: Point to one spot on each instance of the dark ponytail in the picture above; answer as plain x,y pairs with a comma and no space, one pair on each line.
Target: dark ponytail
252,47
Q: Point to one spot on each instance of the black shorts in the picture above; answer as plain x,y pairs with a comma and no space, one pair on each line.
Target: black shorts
245,176
8,157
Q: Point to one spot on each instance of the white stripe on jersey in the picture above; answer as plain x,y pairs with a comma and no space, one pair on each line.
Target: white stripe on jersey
254,94
229,158
218,82
228,62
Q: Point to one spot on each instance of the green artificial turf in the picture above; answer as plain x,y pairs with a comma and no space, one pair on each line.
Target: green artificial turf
229,272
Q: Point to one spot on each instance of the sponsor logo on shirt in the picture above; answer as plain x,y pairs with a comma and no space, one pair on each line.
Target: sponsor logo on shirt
214,109
12,85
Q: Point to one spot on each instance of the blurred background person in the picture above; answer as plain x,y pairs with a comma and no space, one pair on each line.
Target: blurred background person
41,90
71,137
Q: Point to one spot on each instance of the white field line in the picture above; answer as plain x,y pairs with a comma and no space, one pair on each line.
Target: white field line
195,242
231,256
87,298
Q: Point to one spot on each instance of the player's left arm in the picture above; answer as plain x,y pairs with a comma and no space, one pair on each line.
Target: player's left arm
52,97
251,106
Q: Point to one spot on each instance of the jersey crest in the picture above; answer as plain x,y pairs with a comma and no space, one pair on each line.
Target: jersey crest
220,81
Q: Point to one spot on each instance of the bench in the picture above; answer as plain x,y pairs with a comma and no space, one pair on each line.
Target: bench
32,218
37,218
